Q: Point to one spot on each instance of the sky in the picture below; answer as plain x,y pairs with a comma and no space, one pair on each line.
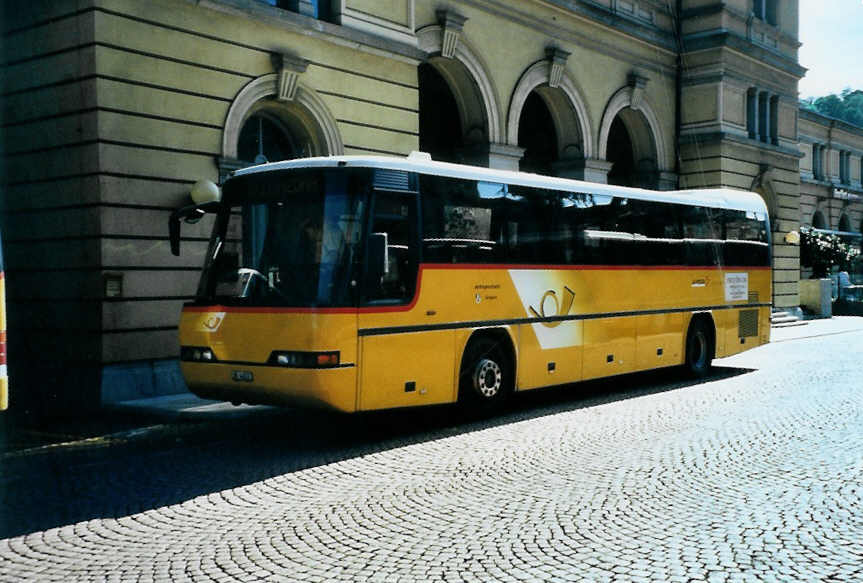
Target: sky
832,35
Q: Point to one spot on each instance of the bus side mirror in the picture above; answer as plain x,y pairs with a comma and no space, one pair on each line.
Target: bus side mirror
378,260
189,214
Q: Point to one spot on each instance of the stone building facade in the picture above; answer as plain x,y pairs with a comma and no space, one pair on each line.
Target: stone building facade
112,109
831,175
740,115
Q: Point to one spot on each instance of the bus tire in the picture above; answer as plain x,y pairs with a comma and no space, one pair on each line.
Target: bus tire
699,348
486,377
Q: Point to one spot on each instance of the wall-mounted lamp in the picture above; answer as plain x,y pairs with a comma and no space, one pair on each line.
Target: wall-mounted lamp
792,238
205,191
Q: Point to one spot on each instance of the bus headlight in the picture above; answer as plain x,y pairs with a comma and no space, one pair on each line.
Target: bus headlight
295,359
197,354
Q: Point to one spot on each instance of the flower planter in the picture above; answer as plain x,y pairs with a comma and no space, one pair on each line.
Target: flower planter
815,296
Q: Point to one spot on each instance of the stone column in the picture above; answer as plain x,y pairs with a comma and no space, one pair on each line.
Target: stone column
774,120
504,156
587,169
666,180
752,113
497,156
764,116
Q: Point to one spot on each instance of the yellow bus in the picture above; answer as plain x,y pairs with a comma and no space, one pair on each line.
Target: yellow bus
362,283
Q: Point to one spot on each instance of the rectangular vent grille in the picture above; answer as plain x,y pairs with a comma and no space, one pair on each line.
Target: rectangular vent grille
753,297
391,180
747,327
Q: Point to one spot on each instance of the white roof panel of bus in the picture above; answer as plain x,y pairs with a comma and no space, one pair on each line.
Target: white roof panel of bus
713,197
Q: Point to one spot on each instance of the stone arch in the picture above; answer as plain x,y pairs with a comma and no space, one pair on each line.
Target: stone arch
642,124
565,104
307,113
467,77
763,185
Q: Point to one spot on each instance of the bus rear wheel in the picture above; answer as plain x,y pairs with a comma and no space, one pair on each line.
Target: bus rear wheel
486,377
699,348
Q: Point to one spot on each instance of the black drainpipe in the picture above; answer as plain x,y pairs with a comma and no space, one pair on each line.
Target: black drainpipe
678,97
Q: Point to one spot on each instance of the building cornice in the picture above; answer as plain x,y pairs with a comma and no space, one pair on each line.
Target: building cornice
836,190
660,62
725,76
720,137
312,27
724,38
626,24
826,120
720,7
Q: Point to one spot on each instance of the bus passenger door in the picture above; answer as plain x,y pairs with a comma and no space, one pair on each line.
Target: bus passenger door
401,364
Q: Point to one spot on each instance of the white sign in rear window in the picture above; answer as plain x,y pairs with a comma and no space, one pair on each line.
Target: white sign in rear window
736,287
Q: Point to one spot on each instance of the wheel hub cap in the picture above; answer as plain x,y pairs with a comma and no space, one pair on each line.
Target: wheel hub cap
487,378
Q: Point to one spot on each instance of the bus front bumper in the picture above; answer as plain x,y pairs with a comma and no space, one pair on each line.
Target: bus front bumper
333,388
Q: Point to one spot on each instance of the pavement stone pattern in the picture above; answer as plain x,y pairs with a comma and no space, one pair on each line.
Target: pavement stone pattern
752,477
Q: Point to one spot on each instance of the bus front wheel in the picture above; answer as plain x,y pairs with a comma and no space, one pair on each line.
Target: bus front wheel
486,377
699,348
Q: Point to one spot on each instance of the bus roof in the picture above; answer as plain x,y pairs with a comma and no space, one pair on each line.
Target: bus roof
711,197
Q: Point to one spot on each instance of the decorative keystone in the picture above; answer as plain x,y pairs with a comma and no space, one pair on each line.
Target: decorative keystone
637,83
288,68
557,64
452,24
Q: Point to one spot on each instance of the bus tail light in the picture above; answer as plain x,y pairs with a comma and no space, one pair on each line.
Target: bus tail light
197,354
328,359
295,359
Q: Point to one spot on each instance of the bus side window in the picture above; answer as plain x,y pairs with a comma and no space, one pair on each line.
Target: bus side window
656,228
395,221
701,237
745,239
462,220
533,228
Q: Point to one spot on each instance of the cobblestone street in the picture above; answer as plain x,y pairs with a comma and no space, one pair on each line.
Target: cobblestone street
754,475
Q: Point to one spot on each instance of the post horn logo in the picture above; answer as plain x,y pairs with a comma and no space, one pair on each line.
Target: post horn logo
550,306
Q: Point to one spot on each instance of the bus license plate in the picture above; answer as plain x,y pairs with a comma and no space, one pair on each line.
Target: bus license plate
242,376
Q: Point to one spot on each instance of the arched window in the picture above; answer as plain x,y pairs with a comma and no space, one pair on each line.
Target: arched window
266,139
844,223
818,220
537,135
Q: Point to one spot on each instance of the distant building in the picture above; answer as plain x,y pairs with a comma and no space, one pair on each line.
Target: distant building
112,109
831,176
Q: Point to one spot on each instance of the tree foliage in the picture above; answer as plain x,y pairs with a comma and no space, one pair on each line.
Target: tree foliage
847,106
823,251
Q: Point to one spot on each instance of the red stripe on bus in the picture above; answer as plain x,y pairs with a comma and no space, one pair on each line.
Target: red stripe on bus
442,266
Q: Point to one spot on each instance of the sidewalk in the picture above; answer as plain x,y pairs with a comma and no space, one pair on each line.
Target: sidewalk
159,417
818,327
172,416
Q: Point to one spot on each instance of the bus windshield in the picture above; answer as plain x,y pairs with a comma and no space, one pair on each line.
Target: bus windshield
286,239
